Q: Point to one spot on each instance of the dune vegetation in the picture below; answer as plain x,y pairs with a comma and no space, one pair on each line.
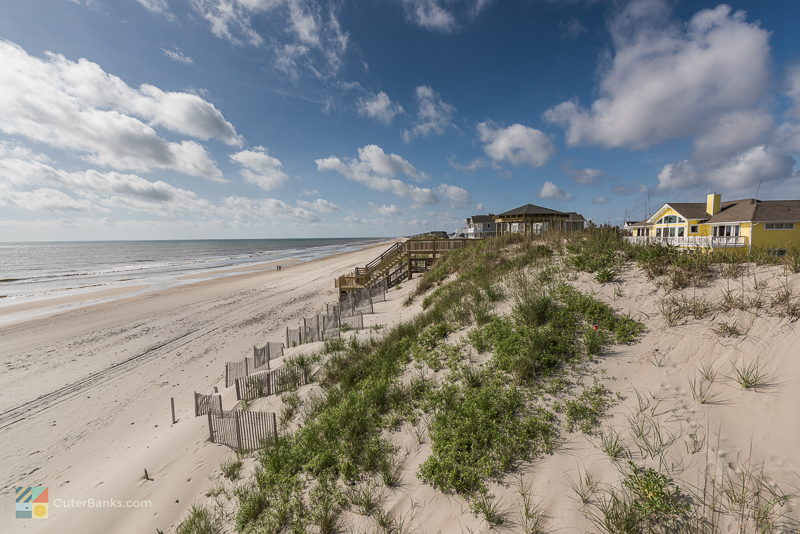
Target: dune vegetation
502,368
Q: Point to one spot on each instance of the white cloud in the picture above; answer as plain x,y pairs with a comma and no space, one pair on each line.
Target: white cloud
95,189
155,6
731,133
16,150
230,19
434,115
43,199
354,219
272,209
430,14
442,15
312,39
471,166
516,144
742,171
551,190
787,136
309,192
600,200
379,107
75,105
385,210
585,176
378,170
319,205
667,82
177,55
259,168
457,196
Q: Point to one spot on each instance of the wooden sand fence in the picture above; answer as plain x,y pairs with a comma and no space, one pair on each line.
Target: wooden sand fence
312,329
251,364
205,404
272,382
263,355
242,430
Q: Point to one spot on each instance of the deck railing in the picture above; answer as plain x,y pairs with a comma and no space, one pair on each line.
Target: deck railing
691,241
383,264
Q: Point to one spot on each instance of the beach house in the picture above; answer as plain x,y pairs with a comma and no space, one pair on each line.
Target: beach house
771,224
532,219
480,226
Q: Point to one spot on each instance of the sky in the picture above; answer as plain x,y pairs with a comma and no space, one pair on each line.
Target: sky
191,119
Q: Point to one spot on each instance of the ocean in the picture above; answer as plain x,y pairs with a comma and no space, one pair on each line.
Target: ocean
32,271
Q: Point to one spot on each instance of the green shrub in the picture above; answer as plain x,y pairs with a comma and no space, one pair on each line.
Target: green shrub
479,433
586,411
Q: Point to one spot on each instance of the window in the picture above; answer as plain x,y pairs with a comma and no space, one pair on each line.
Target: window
668,219
693,229
681,231
726,230
779,226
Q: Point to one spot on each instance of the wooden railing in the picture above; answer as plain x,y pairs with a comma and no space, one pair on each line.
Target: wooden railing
691,241
388,260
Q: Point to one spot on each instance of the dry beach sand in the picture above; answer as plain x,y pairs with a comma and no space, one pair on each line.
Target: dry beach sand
85,406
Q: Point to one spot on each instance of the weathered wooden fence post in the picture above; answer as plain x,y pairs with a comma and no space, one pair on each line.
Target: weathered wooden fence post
211,426
238,431
172,405
274,426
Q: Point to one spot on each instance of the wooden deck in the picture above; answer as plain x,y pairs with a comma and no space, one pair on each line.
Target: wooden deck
399,262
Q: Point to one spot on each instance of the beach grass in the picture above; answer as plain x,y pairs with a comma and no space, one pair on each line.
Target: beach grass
484,417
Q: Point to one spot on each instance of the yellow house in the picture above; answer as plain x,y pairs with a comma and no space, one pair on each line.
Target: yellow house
771,224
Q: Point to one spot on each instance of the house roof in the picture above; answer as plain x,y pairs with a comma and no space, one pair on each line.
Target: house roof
574,216
748,209
481,218
777,210
531,209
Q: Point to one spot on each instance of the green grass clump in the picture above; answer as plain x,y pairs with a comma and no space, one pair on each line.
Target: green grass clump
623,328
478,433
598,250
586,411
232,468
425,347
649,502
199,521
527,353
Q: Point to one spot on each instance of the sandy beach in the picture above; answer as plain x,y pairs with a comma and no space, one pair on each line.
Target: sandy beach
86,393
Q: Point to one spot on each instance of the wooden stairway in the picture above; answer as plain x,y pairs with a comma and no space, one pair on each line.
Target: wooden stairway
398,263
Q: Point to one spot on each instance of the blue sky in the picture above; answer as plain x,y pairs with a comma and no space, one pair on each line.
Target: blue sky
154,119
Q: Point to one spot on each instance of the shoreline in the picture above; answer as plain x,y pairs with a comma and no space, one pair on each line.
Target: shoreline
14,314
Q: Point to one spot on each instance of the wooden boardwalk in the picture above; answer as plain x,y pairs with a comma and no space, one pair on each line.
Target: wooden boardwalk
399,262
